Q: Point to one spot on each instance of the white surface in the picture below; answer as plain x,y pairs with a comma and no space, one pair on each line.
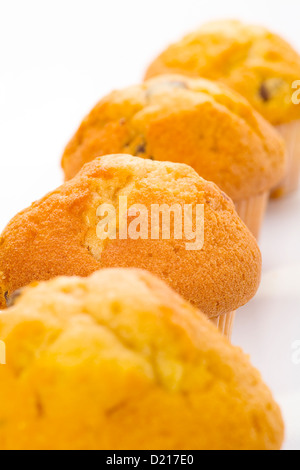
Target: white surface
58,58
268,328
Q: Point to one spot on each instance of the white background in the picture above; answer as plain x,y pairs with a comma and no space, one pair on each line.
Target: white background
58,57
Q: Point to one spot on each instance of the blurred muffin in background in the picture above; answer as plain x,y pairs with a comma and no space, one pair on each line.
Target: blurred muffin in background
255,62
197,122
118,361
62,234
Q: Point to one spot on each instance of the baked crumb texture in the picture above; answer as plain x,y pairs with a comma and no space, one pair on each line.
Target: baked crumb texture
119,361
57,235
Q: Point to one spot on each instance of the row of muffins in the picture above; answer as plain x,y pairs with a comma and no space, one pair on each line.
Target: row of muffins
184,121
193,121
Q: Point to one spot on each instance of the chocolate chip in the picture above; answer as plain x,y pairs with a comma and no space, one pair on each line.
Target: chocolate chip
264,92
271,87
140,149
11,299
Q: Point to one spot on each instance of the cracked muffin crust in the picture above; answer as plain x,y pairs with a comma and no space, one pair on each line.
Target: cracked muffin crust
119,361
57,235
250,59
196,122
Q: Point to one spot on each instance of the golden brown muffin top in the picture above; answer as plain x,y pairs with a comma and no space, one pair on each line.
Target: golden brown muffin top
58,234
86,358
252,60
197,122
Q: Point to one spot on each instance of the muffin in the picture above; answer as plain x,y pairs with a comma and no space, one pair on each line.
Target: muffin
197,122
87,358
61,234
255,62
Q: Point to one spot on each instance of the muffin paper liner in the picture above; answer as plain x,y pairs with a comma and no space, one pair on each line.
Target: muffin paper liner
252,211
291,134
225,323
